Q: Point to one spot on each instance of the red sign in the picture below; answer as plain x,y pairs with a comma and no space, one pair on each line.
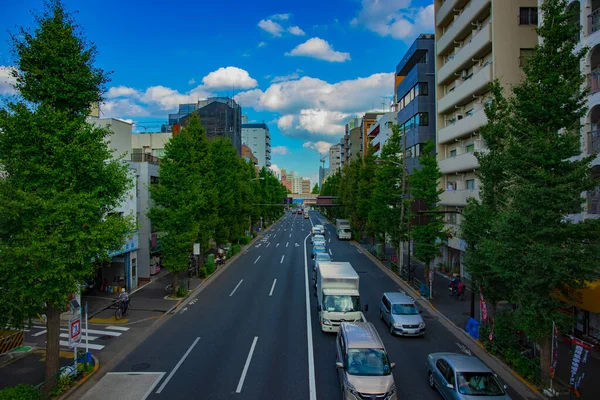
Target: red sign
482,306
75,330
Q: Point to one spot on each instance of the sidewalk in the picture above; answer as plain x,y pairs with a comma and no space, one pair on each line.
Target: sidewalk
458,312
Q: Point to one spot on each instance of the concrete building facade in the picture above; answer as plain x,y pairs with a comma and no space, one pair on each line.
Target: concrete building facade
381,131
258,139
306,186
297,185
335,158
472,51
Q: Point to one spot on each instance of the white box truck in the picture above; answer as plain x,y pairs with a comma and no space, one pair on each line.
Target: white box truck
342,229
338,298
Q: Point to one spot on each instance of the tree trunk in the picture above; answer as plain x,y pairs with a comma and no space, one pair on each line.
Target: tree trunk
545,358
174,282
52,345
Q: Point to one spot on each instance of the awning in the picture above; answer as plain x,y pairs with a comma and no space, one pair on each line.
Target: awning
587,299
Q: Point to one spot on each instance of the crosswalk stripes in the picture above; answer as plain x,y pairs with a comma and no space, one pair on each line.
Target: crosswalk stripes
91,334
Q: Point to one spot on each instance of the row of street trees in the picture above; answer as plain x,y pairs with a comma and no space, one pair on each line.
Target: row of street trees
207,193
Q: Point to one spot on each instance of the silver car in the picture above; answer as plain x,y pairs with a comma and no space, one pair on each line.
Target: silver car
398,310
318,239
461,377
363,367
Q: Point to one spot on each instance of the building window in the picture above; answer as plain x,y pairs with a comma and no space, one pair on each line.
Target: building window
453,153
528,16
423,89
471,148
524,56
452,219
470,184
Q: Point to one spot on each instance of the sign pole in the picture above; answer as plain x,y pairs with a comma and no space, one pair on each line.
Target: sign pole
87,349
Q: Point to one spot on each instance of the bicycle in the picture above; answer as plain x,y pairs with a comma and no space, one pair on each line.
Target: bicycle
120,310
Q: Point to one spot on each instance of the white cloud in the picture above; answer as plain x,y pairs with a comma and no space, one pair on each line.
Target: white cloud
288,77
270,26
6,80
262,44
313,123
120,107
296,31
395,18
228,77
191,81
320,49
281,17
281,150
276,170
121,91
320,147
285,122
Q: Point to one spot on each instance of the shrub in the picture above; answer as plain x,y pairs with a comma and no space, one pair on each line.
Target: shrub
202,272
236,248
21,392
181,290
245,239
210,268
64,383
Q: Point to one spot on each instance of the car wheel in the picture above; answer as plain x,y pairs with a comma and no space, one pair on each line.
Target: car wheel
391,329
430,381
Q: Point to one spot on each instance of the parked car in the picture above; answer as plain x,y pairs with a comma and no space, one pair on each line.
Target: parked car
318,248
364,370
462,377
399,311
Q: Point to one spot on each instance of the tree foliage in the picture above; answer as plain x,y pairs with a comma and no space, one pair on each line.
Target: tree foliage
62,182
315,189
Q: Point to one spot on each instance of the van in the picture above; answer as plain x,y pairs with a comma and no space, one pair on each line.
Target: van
364,370
399,311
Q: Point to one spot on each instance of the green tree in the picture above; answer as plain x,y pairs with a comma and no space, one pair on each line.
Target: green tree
366,184
348,194
184,201
62,182
315,189
545,251
424,183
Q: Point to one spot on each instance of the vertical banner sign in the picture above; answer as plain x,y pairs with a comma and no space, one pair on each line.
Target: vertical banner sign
482,306
554,350
581,353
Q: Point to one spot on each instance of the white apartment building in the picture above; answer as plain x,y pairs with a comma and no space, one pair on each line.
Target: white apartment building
258,139
297,185
477,41
335,158
380,132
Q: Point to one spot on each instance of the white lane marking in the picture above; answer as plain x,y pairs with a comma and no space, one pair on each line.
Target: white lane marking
245,371
257,259
182,311
118,328
39,333
65,343
290,235
330,252
286,244
177,366
329,240
277,245
151,388
312,390
268,244
273,287
66,335
238,285
282,257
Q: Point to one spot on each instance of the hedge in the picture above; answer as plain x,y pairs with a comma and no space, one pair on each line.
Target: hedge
210,268
244,239
21,392
235,249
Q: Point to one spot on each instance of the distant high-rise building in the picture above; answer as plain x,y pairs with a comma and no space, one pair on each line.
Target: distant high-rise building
335,161
323,172
297,185
258,139
306,186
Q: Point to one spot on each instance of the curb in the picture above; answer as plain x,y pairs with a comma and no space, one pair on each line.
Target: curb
467,338
81,381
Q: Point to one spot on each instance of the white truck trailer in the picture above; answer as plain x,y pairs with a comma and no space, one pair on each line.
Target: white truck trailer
342,229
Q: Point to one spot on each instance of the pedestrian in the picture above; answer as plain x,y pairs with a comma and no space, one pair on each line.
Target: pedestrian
461,290
454,285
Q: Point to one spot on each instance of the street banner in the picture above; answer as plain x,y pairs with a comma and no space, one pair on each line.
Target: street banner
554,350
581,352
482,306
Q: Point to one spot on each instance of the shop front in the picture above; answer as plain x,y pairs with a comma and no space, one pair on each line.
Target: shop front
121,271
586,310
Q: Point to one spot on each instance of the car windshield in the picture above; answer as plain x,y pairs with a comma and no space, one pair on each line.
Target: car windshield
341,303
319,237
478,384
319,248
323,257
404,309
368,362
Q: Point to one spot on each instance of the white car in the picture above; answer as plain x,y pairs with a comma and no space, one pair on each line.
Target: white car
316,230
316,239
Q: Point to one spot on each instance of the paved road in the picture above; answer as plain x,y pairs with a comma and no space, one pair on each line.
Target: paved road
245,335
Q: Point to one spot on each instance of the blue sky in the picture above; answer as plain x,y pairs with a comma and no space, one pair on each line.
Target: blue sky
302,67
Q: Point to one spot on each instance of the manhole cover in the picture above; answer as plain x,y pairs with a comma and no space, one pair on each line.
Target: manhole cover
140,367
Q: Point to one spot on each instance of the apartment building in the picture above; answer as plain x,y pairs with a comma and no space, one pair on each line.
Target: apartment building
367,121
414,97
472,50
258,139
306,186
381,131
335,158
297,185
352,123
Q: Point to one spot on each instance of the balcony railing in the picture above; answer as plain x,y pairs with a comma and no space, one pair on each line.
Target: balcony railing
594,201
145,157
595,20
594,142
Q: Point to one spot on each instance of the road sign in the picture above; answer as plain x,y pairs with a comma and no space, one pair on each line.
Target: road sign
74,331
196,249
430,276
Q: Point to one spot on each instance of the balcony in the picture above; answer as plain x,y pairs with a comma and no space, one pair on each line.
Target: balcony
446,11
470,123
593,146
457,198
462,162
462,24
477,47
145,157
463,93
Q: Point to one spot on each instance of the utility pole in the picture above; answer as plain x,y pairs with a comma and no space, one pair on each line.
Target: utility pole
400,236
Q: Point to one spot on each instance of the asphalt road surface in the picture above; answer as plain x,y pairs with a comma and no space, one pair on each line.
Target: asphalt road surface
246,335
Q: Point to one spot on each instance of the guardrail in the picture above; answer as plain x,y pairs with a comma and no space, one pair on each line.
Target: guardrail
11,341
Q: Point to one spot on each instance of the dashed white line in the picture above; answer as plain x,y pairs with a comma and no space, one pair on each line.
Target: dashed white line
177,366
39,333
290,235
238,285
268,244
286,244
330,252
282,257
329,240
277,245
272,287
257,259
245,371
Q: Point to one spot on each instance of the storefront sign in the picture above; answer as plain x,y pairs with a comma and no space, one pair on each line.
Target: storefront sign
581,351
